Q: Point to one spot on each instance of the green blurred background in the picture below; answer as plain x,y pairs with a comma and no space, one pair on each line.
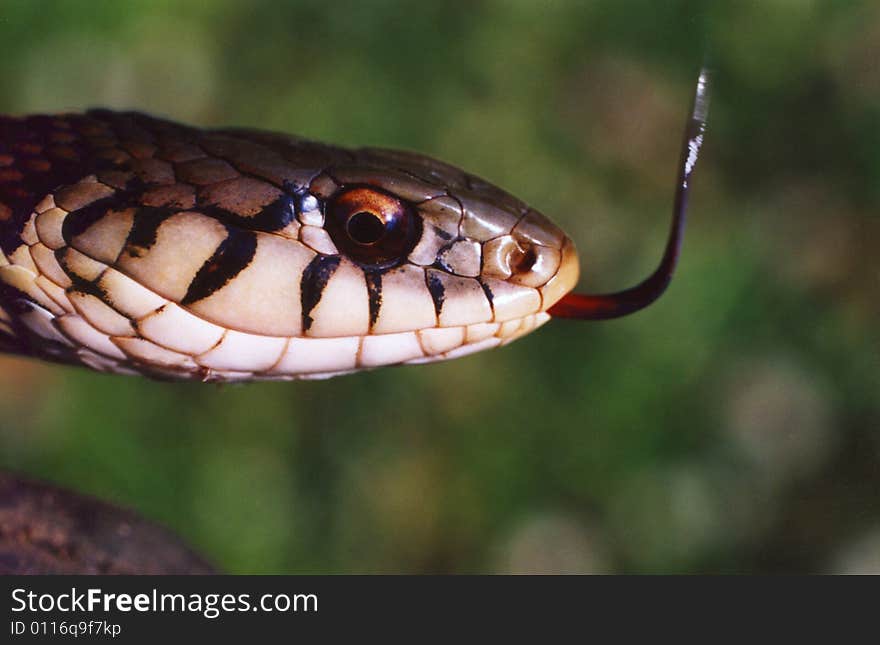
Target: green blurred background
732,427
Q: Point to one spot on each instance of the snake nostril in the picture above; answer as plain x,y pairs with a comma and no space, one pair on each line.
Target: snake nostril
523,260
532,265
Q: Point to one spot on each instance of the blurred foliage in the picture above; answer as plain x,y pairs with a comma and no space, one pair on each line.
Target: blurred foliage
731,427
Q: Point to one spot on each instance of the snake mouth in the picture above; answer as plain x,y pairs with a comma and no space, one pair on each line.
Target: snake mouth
614,305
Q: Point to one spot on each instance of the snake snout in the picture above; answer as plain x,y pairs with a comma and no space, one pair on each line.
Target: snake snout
537,255
564,279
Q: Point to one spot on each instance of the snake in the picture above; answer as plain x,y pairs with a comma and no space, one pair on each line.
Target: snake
134,245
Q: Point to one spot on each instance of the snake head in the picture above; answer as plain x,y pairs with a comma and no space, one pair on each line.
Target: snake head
449,261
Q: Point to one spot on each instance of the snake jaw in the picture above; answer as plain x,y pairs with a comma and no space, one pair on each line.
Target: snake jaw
614,305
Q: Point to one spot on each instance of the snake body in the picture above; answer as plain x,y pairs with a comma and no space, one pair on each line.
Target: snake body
135,245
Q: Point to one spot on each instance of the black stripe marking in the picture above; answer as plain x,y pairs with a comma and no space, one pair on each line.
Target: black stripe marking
374,291
314,279
438,291
145,228
274,216
441,262
489,296
278,214
78,283
78,222
232,256
84,286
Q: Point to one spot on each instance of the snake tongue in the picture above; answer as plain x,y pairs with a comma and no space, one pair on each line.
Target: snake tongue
613,305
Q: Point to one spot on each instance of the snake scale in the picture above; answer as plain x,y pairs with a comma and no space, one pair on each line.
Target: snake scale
133,245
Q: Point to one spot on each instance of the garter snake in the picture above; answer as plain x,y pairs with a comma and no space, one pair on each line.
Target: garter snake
134,245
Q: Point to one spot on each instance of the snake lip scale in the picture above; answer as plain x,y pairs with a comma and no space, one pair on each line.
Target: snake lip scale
135,245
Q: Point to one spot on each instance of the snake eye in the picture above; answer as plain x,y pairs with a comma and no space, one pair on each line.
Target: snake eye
371,226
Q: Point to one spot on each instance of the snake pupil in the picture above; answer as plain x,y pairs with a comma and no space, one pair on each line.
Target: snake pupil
365,227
